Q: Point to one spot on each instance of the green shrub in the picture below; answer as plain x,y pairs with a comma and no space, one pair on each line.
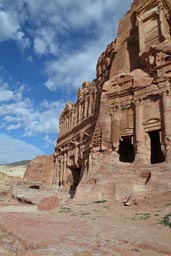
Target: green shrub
65,210
167,220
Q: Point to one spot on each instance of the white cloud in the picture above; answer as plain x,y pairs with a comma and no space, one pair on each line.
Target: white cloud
33,121
48,140
72,69
13,150
40,46
21,113
74,32
10,29
44,42
6,95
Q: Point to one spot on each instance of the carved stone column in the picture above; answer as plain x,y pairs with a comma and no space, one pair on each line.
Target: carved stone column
58,176
75,118
93,101
60,170
64,160
71,119
76,153
141,35
139,134
55,175
105,122
64,125
166,99
85,107
90,105
60,128
79,112
83,111
67,122
115,131
163,23
57,171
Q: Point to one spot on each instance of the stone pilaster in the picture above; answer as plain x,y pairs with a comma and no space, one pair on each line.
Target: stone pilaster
90,104
64,167
139,134
105,122
61,127
64,125
163,23
59,178
79,112
115,132
166,101
85,107
93,101
61,170
141,35
55,175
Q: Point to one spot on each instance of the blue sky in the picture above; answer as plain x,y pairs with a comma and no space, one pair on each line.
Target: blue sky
47,50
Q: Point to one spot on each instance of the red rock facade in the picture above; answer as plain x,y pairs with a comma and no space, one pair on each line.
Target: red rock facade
125,113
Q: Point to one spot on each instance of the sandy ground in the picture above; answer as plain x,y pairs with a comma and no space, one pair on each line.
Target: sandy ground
99,228
82,229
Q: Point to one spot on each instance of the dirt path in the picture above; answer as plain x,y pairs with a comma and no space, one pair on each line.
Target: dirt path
88,229
94,229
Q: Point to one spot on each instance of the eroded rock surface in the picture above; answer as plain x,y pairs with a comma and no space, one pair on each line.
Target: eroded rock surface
40,170
121,121
124,115
48,203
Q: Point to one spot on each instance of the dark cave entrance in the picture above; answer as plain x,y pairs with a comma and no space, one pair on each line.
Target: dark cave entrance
76,176
156,152
126,149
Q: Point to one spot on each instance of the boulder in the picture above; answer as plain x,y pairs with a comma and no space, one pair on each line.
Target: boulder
48,203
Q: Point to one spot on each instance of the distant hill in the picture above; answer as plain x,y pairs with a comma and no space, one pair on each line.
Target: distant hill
16,169
15,164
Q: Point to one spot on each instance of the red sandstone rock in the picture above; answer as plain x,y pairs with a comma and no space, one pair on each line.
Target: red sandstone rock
40,170
48,203
122,117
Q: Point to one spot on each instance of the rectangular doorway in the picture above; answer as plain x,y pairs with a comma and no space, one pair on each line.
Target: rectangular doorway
126,149
156,152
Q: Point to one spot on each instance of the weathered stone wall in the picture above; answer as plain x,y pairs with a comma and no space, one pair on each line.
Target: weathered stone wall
41,170
124,115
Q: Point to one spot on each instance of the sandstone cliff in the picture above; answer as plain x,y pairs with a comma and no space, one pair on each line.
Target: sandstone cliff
121,122
40,170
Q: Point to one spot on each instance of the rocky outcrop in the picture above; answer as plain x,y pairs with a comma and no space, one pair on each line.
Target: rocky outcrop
40,170
121,121
124,114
